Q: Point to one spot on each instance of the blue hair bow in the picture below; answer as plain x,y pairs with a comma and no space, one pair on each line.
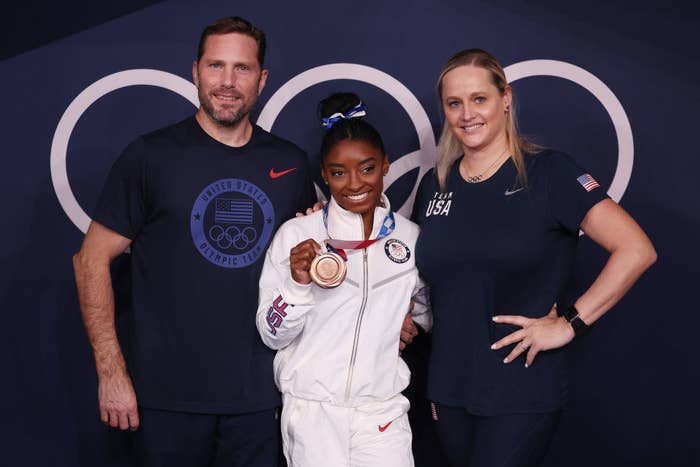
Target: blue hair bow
357,111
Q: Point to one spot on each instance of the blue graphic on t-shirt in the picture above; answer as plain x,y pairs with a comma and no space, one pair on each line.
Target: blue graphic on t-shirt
232,222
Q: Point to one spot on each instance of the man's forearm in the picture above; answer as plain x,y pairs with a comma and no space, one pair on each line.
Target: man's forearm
96,297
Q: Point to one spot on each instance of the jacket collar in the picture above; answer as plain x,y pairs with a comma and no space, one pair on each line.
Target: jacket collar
346,225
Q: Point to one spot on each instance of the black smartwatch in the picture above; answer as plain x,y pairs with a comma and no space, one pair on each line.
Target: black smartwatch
571,315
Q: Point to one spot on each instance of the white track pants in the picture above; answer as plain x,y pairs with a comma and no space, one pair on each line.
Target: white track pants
319,434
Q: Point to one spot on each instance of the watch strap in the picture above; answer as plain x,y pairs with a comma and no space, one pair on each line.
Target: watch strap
572,316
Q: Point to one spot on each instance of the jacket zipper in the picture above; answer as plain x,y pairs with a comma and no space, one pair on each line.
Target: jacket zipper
358,324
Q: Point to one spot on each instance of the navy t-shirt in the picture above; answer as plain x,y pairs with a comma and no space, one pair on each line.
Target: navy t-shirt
496,248
201,215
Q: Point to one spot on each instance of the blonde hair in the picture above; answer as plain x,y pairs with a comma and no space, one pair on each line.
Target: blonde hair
449,148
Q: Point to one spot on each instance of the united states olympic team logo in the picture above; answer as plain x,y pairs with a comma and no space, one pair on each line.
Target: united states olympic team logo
397,251
422,158
231,222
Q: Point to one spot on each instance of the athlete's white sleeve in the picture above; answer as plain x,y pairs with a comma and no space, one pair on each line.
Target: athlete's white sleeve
283,303
422,312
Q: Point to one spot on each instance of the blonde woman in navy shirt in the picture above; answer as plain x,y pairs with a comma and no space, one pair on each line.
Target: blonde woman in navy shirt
500,222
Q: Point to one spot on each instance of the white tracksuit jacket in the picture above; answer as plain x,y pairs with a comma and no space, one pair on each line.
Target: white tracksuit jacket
341,345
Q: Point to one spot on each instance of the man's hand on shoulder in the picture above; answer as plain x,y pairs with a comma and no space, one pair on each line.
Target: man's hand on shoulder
318,205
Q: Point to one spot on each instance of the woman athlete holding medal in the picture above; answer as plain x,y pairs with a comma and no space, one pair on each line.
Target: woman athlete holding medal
334,291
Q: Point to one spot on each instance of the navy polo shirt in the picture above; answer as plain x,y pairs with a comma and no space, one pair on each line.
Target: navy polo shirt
498,248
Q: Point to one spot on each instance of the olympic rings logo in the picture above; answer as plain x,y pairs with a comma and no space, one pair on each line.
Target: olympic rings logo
423,158
240,241
227,243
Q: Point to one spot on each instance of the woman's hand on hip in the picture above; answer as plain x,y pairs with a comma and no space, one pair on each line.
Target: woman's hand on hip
537,334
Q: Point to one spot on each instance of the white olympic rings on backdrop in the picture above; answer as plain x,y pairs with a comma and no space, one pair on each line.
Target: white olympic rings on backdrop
585,79
423,158
101,87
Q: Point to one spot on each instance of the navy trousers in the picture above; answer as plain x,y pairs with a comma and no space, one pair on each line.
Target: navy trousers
176,439
517,440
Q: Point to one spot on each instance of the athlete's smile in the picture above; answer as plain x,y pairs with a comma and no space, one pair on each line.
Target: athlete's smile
358,198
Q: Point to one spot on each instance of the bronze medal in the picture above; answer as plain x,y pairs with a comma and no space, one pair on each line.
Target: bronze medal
328,270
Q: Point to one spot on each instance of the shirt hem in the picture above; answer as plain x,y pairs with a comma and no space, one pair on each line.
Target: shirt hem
209,408
486,411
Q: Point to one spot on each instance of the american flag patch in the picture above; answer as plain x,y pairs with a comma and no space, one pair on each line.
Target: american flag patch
587,182
233,211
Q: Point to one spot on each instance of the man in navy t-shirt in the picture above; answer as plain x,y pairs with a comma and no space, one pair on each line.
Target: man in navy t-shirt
197,203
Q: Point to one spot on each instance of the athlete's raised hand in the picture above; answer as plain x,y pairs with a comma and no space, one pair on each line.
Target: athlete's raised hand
537,334
300,258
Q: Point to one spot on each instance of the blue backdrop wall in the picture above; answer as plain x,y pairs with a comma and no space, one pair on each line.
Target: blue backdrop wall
614,85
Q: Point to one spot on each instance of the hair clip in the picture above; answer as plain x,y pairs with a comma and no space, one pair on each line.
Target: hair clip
357,111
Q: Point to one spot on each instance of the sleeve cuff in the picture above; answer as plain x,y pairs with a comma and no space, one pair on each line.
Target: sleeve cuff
295,293
422,316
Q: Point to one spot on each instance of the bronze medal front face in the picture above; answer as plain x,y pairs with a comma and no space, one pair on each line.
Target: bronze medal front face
328,270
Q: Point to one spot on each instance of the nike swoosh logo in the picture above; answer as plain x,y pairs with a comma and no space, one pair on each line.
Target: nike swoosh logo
508,192
274,174
382,429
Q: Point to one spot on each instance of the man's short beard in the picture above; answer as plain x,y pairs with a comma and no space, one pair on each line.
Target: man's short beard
226,122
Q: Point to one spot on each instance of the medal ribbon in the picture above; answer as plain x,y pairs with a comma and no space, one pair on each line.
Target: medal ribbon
338,246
